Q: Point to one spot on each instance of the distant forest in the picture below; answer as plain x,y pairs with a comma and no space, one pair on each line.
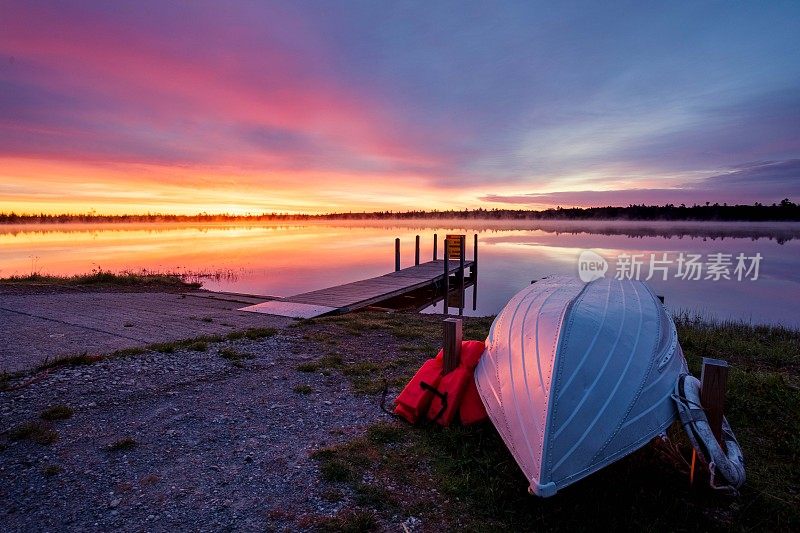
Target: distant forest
784,211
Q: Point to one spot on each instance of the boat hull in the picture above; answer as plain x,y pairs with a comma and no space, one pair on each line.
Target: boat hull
576,376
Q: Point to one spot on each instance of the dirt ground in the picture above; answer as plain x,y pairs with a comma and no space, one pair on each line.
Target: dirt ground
199,436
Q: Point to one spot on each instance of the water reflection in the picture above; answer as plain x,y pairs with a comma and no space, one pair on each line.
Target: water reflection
286,259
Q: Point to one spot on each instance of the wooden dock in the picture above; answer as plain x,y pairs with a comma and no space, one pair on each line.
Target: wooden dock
439,273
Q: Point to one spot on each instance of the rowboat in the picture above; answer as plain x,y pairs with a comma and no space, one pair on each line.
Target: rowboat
577,375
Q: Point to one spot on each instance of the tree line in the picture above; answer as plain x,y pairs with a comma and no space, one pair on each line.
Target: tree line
786,210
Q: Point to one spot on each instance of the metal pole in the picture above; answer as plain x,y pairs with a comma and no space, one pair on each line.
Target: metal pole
416,252
397,254
435,238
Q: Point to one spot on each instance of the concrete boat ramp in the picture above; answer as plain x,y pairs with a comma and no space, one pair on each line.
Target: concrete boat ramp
35,328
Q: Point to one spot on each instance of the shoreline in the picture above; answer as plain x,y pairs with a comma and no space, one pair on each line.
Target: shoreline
285,431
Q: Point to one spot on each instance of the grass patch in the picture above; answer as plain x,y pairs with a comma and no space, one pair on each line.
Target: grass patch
35,431
127,352
234,356
349,521
51,470
374,496
303,389
100,277
70,361
252,334
386,433
125,443
310,366
477,484
745,346
197,344
419,337
56,412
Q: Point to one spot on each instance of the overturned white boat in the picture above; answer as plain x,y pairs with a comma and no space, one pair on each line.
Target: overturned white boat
576,376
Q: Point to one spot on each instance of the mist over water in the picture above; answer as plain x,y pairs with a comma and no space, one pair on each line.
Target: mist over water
288,258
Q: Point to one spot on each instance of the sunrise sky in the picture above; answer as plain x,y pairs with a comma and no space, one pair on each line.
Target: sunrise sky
182,107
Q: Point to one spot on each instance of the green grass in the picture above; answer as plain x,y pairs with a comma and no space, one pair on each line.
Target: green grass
198,344
70,361
35,431
252,334
100,277
51,470
234,356
56,412
347,521
477,485
123,444
417,336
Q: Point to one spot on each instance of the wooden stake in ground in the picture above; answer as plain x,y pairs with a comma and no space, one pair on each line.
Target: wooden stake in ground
713,388
453,334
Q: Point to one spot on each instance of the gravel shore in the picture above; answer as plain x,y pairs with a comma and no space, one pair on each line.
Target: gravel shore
188,440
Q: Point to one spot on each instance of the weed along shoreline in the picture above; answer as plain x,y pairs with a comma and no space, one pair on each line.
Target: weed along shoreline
279,426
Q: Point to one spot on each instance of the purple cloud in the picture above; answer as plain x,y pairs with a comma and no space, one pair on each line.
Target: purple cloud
766,182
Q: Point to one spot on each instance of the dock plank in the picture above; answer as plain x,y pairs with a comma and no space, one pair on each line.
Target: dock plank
350,296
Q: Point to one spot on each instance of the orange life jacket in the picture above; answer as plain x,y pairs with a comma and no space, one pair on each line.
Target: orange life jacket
454,384
413,402
472,410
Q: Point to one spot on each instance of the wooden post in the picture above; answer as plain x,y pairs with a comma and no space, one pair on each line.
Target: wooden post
397,254
461,275
474,273
475,257
713,387
416,251
435,239
453,333
446,278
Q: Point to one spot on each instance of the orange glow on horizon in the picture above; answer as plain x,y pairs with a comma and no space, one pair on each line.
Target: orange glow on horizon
53,187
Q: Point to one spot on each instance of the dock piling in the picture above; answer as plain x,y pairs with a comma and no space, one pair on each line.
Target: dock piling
475,258
416,252
397,254
446,278
435,239
463,242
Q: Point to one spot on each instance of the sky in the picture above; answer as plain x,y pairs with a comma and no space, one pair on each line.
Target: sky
258,106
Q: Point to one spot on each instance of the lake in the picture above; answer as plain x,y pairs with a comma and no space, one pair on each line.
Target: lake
287,258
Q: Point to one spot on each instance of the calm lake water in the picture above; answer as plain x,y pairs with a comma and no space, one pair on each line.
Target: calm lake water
285,259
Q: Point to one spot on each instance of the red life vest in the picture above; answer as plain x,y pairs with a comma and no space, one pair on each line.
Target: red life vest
441,398
413,401
453,385
472,410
